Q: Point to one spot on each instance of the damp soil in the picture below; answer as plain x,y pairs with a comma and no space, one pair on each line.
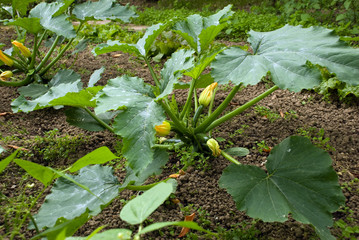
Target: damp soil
198,189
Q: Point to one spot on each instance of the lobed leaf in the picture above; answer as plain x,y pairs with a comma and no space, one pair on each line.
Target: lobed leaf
200,31
63,83
285,53
31,25
102,10
69,201
173,68
50,20
21,5
140,49
300,181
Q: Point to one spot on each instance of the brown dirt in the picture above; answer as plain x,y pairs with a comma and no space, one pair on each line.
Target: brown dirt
197,188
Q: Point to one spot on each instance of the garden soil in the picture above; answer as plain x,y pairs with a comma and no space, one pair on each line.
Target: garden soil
198,189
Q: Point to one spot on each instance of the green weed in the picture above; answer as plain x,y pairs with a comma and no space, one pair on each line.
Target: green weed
317,137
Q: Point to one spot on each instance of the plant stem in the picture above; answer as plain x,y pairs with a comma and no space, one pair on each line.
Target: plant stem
153,74
34,51
179,125
48,54
230,158
102,123
61,52
196,115
26,81
189,99
240,109
218,111
144,187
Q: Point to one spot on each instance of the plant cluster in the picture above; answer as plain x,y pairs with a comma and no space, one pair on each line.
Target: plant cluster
49,20
298,178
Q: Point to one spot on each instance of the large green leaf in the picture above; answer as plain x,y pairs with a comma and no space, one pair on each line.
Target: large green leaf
64,81
173,68
102,10
200,31
285,52
47,12
141,48
299,180
136,123
31,25
141,207
69,201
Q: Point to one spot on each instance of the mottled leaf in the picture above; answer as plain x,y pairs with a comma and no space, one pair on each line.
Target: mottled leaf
102,10
299,180
285,52
173,68
69,201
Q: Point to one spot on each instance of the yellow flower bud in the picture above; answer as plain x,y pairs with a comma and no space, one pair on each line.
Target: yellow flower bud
5,59
24,50
213,145
207,94
6,75
163,129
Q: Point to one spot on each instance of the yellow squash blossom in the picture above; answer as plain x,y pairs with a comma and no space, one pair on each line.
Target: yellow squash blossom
207,94
24,50
163,129
5,59
214,146
6,75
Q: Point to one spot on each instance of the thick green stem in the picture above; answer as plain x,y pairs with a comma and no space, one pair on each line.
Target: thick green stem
240,109
48,54
34,51
105,125
145,187
230,158
61,53
196,115
179,125
189,99
153,74
26,81
218,111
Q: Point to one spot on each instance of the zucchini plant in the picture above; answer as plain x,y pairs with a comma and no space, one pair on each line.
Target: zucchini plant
49,20
299,179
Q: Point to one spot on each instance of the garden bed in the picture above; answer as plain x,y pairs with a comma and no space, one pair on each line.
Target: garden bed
331,125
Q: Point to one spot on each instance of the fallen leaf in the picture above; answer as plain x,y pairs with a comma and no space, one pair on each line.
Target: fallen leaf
16,148
176,175
5,113
175,201
281,114
117,55
267,150
185,230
